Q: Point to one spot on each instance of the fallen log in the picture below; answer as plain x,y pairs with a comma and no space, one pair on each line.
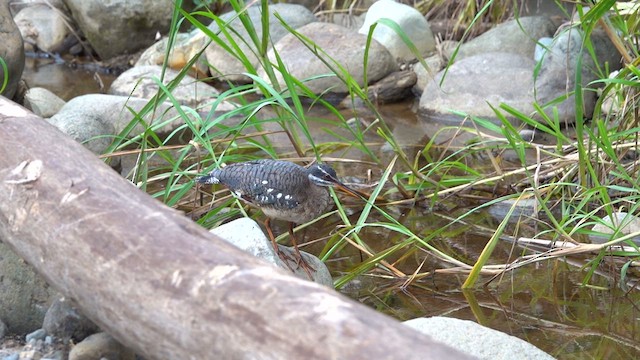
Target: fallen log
160,283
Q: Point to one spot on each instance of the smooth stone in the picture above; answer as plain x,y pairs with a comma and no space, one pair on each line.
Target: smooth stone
142,82
514,36
12,357
558,69
627,223
184,48
24,295
65,322
474,83
339,43
100,346
133,28
410,20
226,66
42,102
39,334
11,51
247,235
95,118
477,340
42,26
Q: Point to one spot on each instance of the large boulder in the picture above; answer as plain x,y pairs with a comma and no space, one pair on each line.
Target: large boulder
227,66
95,119
474,84
11,51
43,27
558,68
120,27
340,45
515,36
410,20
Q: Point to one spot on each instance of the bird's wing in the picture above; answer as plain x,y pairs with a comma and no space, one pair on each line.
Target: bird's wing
271,196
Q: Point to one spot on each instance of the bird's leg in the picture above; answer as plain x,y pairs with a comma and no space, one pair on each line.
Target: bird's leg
301,261
284,257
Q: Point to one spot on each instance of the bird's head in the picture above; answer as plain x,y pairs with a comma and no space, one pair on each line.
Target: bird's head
324,175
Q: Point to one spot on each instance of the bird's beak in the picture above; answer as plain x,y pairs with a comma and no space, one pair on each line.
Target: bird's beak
355,193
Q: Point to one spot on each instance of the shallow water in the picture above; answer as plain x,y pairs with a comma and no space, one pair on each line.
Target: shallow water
544,303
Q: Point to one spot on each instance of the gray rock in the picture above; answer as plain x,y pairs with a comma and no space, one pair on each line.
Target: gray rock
185,47
64,322
3,329
410,20
141,81
246,234
341,45
92,119
471,83
12,357
477,340
100,346
514,36
625,222
39,334
227,66
558,72
133,28
43,27
11,51
434,63
42,102
24,295
89,129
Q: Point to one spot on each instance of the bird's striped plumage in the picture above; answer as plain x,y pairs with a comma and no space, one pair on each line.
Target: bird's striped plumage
282,189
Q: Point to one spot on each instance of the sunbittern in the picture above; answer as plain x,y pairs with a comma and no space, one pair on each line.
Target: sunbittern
282,190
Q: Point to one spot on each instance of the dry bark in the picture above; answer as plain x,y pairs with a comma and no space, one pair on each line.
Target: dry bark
157,281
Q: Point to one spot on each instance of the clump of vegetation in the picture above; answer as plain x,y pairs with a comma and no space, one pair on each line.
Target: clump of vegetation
574,180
